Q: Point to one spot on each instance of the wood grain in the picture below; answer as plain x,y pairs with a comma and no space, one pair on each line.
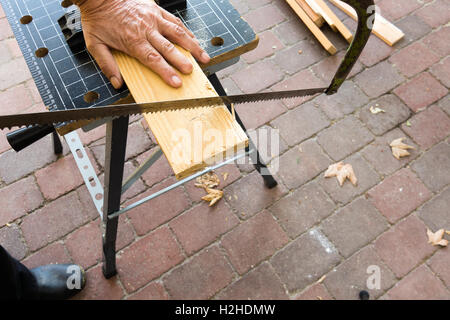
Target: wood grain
312,27
318,9
191,139
382,28
336,21
317,19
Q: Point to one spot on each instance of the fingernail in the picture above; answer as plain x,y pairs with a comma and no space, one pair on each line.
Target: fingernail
115,82
205,57
176,81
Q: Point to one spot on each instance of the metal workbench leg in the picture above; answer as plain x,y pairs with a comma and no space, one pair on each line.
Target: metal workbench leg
116,142
269,180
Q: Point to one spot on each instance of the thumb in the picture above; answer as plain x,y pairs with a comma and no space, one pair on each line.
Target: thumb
102,54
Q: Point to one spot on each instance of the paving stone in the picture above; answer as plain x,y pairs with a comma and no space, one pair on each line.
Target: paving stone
88,204
257,77
413,27
18,199
291,61
395,113
248,195
300,123
15,100
5,28
159,171
326,68
268,45
433,167
291,31
15,165
154,254
85,244
241,6
420,284
5,54
379,79
259,284
264,18
201,225
355,274
315,292
305,260
302,163
404,246
256,114
398,195
201,277
10,240
435,14
379,153
53,221
300,210
421,91
435,212
228,71
375,51
414,59
444,104
348,99
14,48
4,144
92,135
354,226
428,127
394,10
442,71
154,291
269,143
254,241
13,73
51,254
99,288
367,177
344,137
159,210
439,41
439,263
303,79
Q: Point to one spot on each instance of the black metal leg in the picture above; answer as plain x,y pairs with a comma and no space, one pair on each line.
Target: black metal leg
269,180
57,145
116,142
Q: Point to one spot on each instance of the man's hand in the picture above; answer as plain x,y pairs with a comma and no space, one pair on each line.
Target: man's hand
141,29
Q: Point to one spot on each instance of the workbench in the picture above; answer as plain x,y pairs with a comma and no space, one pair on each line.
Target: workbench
68,77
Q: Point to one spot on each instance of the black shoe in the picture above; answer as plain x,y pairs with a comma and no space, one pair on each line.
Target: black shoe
58,281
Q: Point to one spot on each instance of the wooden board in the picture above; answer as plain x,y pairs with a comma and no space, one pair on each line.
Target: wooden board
317,19
312,27
190,139
382,28
338,23
315,6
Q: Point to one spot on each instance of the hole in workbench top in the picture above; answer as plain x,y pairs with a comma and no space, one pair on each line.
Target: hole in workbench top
41,52
217,41
66,3
26,19
91,96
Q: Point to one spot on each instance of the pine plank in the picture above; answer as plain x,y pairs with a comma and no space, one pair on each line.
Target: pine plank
336,21
318,20
318,9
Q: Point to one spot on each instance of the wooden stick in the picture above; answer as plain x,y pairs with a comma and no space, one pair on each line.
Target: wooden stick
312,27
318,9
382,28
338,23
317,19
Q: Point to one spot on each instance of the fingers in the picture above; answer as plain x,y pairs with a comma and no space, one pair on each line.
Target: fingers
179,35
170,52
168,16
106,62
150,57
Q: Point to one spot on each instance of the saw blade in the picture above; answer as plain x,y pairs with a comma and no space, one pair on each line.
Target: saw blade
119,110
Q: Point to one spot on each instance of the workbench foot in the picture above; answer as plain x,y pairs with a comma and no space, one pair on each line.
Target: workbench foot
57,145
270,182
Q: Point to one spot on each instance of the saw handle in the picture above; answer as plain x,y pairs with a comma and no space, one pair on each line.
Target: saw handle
24,137
366,17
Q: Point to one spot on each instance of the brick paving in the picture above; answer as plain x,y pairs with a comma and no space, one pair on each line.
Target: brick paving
258,243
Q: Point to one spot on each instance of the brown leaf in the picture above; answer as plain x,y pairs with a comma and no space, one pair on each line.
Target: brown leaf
399,149
341,171
435,238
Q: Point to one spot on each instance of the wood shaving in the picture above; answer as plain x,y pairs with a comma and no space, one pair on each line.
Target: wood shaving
225,176
376,110
321,279
435,238
341,171
400,149
208,180
213,196
319,298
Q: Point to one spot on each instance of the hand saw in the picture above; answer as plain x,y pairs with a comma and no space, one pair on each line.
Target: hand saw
365,22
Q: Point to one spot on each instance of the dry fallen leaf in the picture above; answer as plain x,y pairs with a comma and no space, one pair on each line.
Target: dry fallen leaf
213,196
376,110
399,149
435,238
341,171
